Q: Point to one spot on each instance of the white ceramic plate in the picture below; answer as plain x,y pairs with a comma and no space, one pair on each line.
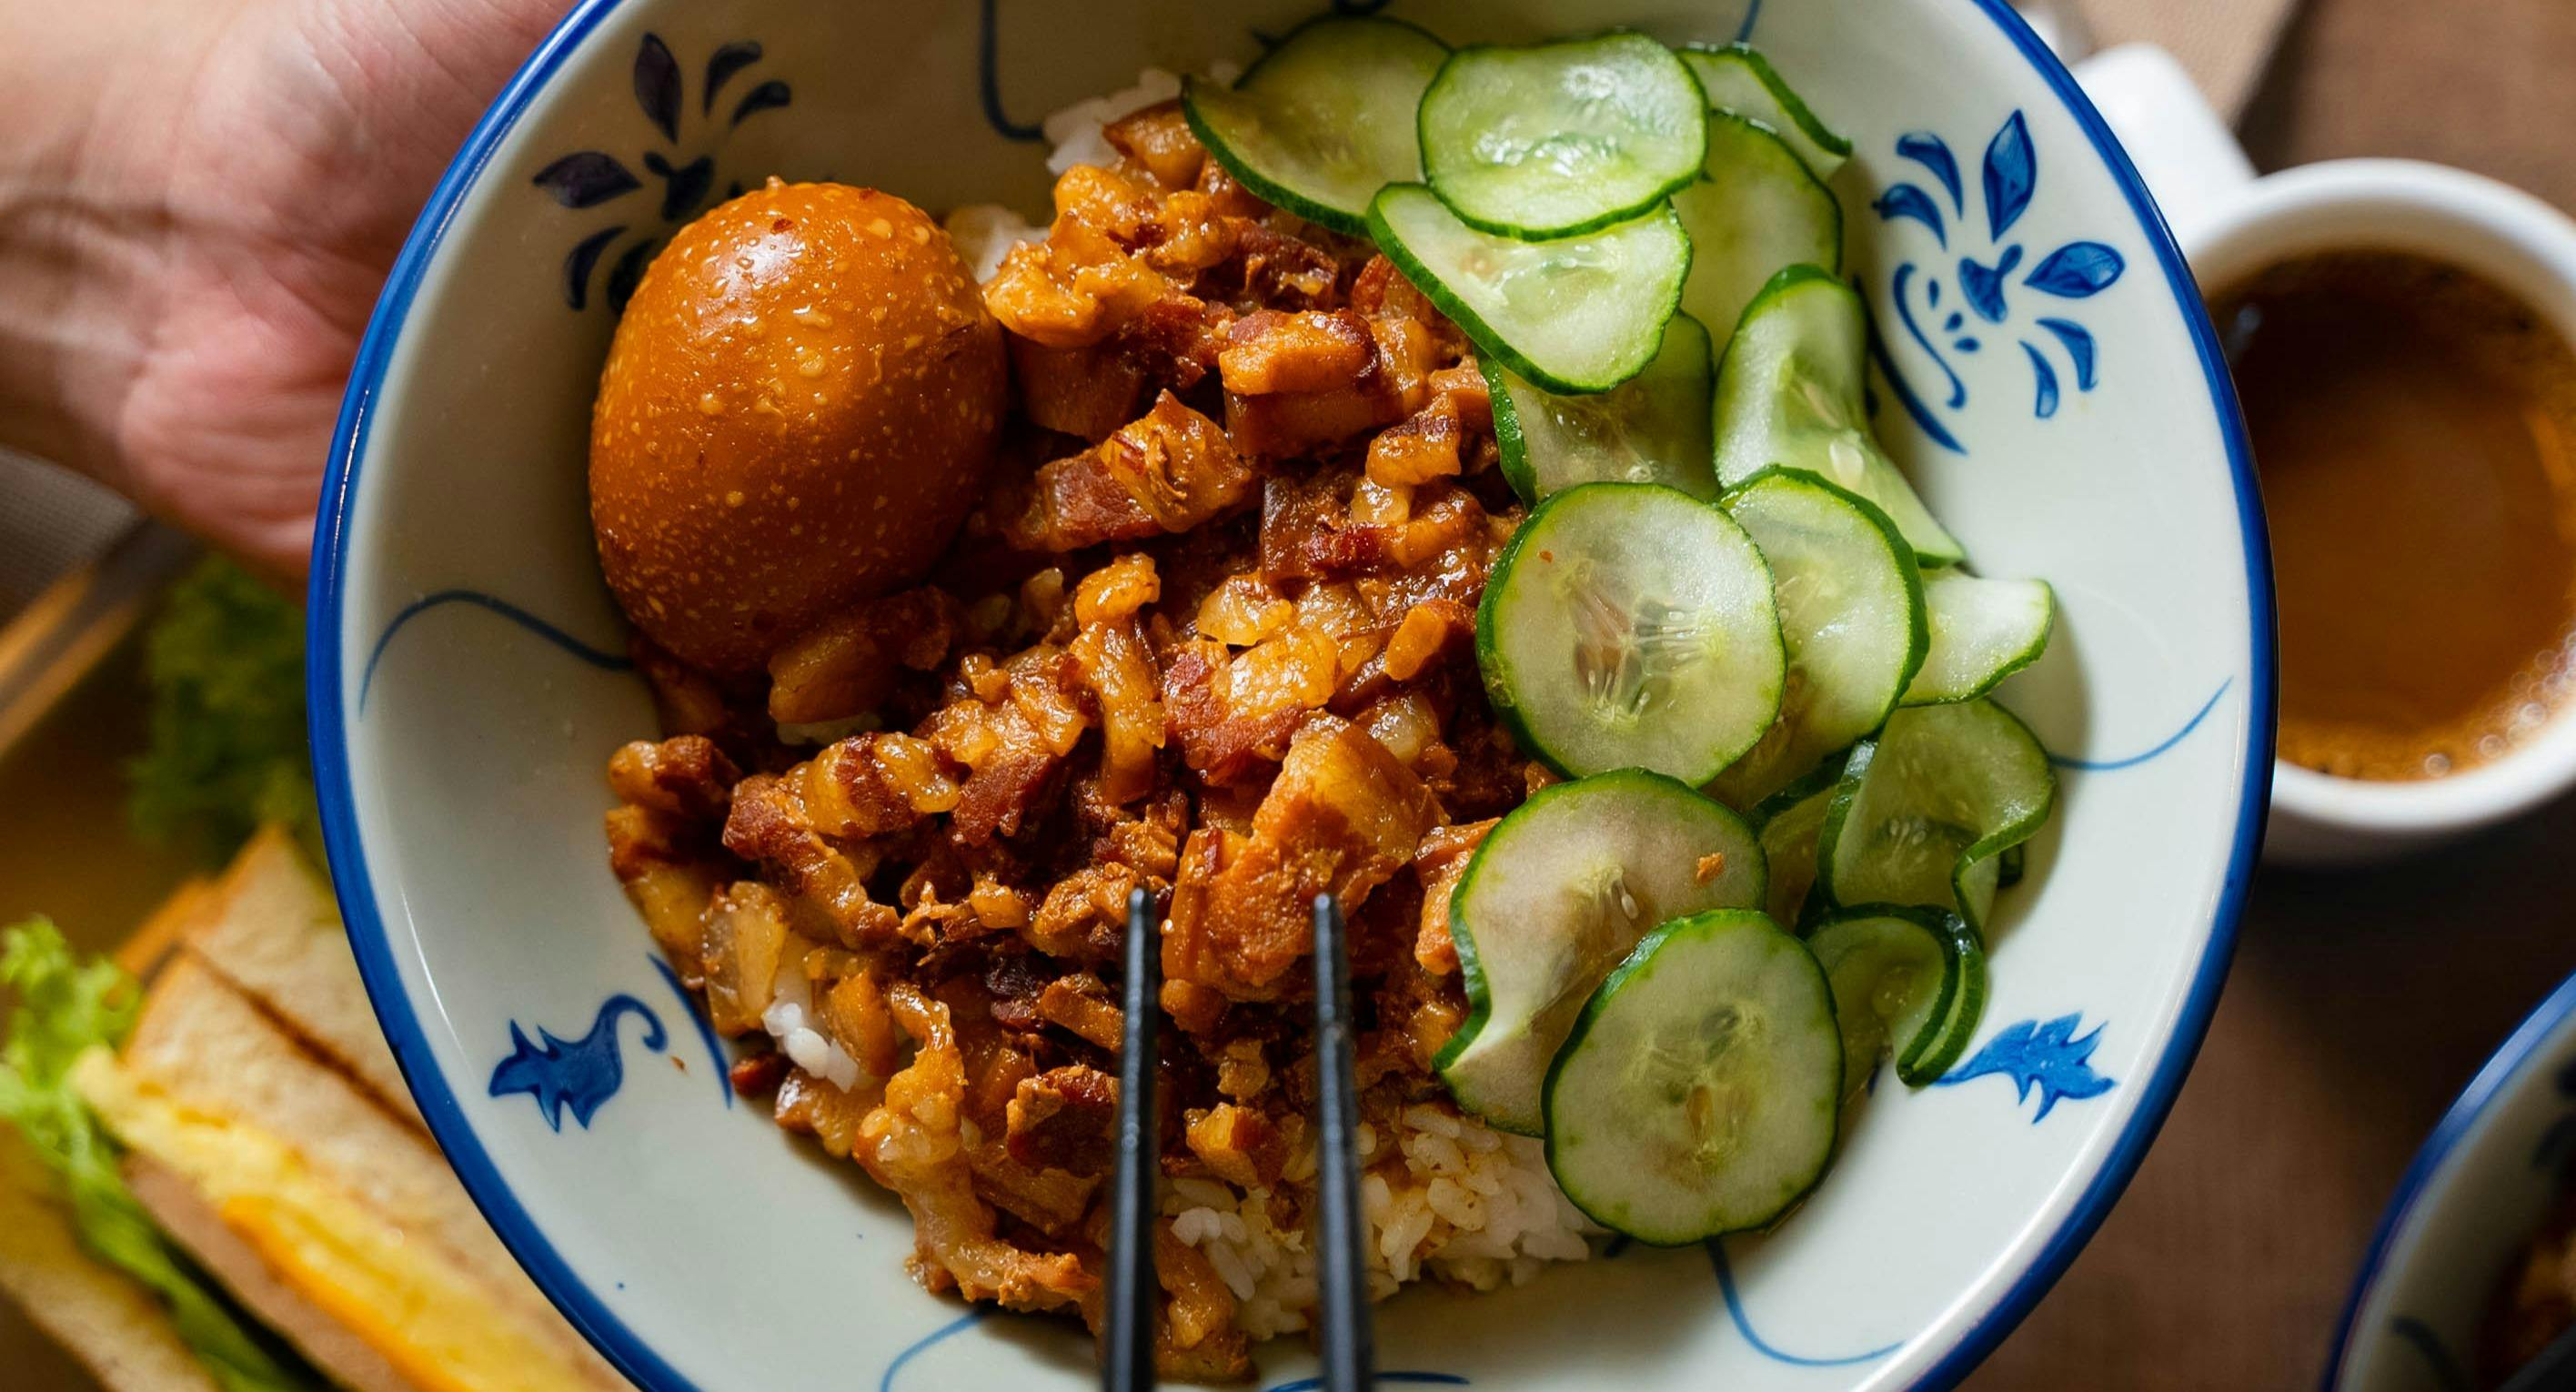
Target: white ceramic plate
2047,373
2485,1180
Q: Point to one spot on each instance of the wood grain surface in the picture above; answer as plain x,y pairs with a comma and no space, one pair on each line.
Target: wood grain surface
2360,1002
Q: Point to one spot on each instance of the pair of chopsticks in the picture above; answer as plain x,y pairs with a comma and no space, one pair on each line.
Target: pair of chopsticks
1347,1344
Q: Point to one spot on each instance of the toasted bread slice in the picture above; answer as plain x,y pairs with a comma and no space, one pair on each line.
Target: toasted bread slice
152,944
274,933
334,1348
109,1322
212,1051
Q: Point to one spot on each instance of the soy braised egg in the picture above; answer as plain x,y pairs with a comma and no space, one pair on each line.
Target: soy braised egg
796,414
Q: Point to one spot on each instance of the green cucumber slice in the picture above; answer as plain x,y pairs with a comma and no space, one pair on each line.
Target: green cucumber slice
1738,79
1325,119
1789,823
1982,632
1896,973
1851,613
1558,892
1755,211
1652,428
1937,1051
1699,1093
1925,809
1559,138
1789,396
1630,625
1580,314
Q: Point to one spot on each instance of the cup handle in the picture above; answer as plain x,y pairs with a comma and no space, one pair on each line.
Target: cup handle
2189,159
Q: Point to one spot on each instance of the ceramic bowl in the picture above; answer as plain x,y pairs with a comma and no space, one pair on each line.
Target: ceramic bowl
2484,1182
2045,370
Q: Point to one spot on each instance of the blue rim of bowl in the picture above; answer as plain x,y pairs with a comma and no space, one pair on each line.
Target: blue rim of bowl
631,1354
2496,1077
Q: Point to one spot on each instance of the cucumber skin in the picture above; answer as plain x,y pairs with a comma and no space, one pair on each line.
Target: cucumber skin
1788,278
1912,575
2027,656
1276,194
1488,665
1819,779
1636,961
1489,343
1832,265
2012,835
1994,843
1826,137
1471,973
1609,219
1511,444
1942,1050
1819,782
1962,990
1911,568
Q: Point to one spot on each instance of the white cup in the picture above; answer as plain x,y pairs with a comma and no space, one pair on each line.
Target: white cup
2230,225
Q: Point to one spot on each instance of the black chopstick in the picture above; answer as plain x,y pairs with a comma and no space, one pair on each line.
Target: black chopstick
1347,1347
2553,1369
1348,1341
1127,1363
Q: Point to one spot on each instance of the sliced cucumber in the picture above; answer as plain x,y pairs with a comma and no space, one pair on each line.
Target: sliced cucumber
1851,613
1789,823
1897,975
1559,138
1755,212
1699,1093
1789,396
1630,625
1737,78
1925,809
1558,892
1652,428
1937,1051
1982,632
1580,314
1325,119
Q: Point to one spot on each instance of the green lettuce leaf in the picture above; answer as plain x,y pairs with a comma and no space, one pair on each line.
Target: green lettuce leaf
66,1008
225,662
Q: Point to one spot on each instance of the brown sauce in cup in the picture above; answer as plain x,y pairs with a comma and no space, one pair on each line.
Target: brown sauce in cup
2415,430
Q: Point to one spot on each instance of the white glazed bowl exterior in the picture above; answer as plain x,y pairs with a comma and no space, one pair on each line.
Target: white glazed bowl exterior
466,689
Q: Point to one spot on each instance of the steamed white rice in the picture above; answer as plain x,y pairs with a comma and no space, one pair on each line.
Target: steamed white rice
1445,1196
986,232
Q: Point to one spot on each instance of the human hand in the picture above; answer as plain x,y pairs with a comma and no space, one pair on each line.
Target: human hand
192,242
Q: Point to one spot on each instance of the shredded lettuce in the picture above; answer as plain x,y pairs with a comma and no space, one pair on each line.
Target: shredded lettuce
66,1008
225,661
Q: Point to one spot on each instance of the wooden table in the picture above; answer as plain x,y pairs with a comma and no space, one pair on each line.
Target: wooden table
2360,1002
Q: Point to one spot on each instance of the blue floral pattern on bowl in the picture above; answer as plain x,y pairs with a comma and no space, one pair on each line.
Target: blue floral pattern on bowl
586,179
2076,270
2050,1057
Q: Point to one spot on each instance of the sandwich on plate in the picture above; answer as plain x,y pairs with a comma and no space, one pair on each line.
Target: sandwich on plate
212,1177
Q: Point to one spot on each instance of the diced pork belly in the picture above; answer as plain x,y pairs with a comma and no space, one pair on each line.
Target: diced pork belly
1342,818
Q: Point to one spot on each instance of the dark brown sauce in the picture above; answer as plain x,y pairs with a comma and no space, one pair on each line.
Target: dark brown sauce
2415,429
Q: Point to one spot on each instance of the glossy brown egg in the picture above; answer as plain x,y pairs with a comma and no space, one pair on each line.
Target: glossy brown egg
796,413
